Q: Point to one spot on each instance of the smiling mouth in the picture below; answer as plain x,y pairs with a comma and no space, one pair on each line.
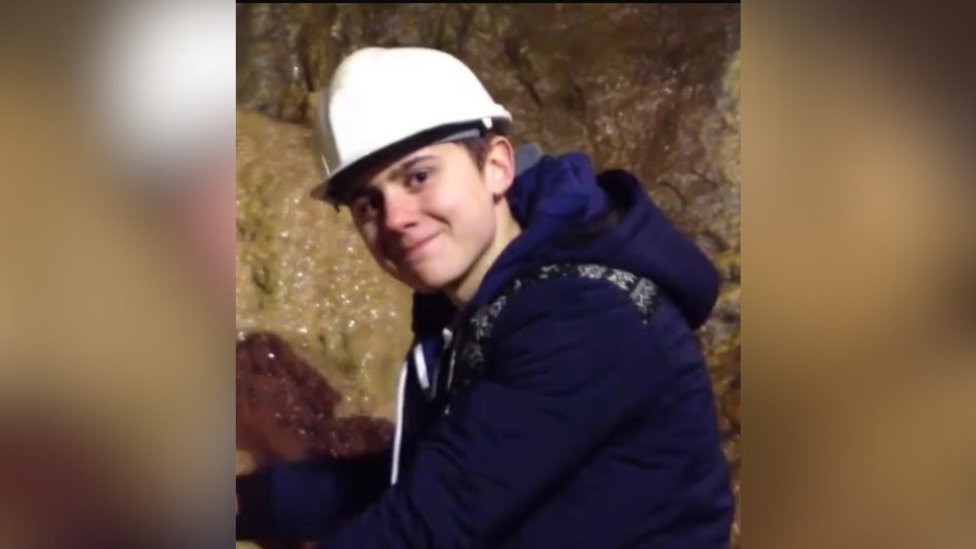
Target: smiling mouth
411,251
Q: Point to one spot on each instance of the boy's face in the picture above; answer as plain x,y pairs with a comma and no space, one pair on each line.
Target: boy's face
429,217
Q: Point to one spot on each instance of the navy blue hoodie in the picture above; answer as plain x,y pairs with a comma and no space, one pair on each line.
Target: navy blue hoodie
589,428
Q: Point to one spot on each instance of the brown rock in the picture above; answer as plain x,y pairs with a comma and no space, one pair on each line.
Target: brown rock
286,412
303,273
286,409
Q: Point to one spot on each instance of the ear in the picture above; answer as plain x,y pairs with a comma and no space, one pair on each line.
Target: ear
499,166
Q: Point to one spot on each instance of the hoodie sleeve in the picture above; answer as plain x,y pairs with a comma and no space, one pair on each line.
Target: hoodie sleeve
565,372
308,499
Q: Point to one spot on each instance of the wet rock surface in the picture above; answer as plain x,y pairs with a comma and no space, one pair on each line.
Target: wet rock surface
303,274
286,409
647,87
286,412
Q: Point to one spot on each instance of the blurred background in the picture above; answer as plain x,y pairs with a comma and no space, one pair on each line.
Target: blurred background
115,236
115,280
861,357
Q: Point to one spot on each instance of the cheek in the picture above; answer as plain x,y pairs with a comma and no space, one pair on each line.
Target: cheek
467,210
370,238
477,222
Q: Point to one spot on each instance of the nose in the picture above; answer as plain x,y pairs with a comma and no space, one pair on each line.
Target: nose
400,211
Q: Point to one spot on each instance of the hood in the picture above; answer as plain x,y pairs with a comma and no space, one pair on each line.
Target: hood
555,195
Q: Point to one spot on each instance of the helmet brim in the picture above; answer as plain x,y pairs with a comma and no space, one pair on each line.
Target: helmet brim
336,188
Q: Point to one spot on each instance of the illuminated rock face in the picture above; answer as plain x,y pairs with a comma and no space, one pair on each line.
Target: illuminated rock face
303,274
650,88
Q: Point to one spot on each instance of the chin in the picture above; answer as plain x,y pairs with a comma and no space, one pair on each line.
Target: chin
430,281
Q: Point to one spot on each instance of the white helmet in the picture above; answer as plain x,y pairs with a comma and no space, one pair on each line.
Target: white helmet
388,101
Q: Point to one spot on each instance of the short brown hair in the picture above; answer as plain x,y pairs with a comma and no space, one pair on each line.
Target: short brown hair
477,148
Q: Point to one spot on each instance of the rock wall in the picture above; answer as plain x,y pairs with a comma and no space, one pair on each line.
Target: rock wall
303,273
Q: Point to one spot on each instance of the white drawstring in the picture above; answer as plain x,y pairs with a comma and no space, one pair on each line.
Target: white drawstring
423,376
448,337
420,363
398,440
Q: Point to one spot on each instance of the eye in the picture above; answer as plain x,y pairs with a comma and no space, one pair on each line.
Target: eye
417,178
365,206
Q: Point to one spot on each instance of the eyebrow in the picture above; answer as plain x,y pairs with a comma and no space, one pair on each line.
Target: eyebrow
363,188
411,163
